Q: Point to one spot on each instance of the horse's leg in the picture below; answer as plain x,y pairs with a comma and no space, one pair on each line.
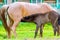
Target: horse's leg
5,25
9,23
16,17
41,30
36,31
14,27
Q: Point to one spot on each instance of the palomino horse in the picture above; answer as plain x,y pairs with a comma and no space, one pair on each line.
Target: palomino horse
18,10
41,19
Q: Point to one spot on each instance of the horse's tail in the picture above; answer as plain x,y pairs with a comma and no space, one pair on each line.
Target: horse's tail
7,9
7,16
3,12
6,12
9,20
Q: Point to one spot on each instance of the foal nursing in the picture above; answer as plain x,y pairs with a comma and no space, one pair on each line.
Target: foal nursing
16,11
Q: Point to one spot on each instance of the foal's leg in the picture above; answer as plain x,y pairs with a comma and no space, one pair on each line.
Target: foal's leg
57,28
41,30
54,27
36,31
58,31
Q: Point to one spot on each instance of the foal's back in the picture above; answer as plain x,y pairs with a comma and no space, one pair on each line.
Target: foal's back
41,18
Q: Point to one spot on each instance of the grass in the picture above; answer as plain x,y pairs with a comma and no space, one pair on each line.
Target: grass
26,31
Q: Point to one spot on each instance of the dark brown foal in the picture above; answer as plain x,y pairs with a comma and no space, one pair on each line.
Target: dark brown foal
41,19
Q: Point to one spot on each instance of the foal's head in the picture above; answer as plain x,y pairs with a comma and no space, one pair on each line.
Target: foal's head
29,18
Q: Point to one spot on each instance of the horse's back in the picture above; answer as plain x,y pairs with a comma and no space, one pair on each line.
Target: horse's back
22,9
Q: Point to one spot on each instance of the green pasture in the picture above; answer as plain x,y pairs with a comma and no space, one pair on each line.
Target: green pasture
25,31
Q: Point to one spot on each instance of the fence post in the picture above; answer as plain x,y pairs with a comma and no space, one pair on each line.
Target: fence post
57,3
5,1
